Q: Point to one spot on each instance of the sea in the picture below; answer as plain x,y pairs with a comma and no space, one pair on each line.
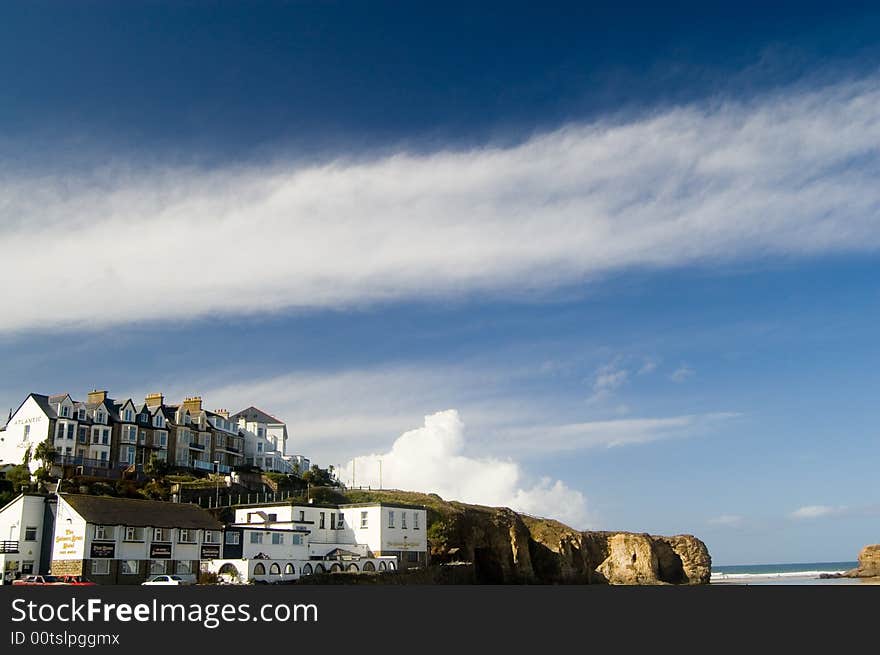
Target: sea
805,573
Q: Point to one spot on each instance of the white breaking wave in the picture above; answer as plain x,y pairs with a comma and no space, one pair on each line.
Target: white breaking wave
770,576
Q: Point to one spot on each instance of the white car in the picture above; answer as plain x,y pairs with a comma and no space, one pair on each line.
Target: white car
166,580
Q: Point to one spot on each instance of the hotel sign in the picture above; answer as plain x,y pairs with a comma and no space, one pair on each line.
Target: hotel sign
160,551
211,552
103,551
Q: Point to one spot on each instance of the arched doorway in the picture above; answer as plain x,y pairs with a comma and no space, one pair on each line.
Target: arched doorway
319,568
289,570
307,569
353,567
275,569
260,569
369,566
382,566
336,568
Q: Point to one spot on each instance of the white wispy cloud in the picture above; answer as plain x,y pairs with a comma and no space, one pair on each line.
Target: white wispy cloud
682,373
332,415
608,379
726,520
819,511
433,458
787,173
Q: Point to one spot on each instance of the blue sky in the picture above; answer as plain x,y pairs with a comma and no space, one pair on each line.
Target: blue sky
623,258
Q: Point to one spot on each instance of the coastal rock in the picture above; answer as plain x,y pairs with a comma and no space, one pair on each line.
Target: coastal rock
869,563
631,560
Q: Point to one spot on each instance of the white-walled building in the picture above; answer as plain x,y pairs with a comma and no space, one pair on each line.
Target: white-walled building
265,440
284,541
24,544
124,541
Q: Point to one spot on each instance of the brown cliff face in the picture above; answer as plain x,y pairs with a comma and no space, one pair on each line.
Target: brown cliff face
869,563
510,548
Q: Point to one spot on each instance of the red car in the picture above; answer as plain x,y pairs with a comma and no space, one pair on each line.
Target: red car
35,580
76,580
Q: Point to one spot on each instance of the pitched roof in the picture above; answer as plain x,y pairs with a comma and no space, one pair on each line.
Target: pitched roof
105,510
258,415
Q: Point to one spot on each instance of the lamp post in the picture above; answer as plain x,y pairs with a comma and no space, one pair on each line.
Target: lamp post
217,473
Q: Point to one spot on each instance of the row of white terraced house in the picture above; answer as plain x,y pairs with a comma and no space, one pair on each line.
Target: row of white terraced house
283,541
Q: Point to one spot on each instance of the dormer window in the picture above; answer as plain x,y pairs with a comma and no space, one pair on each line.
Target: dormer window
99,417
160,421
81,414
65,411
128,416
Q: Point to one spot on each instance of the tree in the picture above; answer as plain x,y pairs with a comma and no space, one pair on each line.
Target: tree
318,477
156,468
45,452
17,476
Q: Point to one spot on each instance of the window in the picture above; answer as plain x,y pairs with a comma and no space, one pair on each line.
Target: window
142,438
340,522
161,534
259,569
99,417
100,566
259,447
302,515
415,520
104,532
81,415
333,521
134,534
30,533
261,432
364,519
296,539
403,520
160,421
27,431
83,435
128,416
277,539
65,411
27,566
186,536
256,537
163,439
157,566
412,556
71,428
272,518
391,518
184,566
321,521
211,537
232,538
129,567
104,454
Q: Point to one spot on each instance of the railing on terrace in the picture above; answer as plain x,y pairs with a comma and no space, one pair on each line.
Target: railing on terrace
8,546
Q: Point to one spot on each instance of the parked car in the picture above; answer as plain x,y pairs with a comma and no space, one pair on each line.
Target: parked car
39,580
76,580
166,580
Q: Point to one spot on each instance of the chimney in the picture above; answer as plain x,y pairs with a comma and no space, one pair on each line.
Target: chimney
222,412
96,396
154,400
193,404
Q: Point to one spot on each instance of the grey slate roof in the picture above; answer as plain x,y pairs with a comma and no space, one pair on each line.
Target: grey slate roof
105,510
254,414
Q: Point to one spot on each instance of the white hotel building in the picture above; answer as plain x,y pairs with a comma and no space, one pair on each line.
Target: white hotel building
283,541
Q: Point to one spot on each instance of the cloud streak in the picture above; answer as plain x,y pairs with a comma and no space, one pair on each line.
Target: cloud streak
787,174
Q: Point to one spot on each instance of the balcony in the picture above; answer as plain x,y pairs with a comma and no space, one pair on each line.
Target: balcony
8,546
195,445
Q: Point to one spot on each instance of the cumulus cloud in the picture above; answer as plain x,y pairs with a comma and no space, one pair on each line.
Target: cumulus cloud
432,459
789,173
